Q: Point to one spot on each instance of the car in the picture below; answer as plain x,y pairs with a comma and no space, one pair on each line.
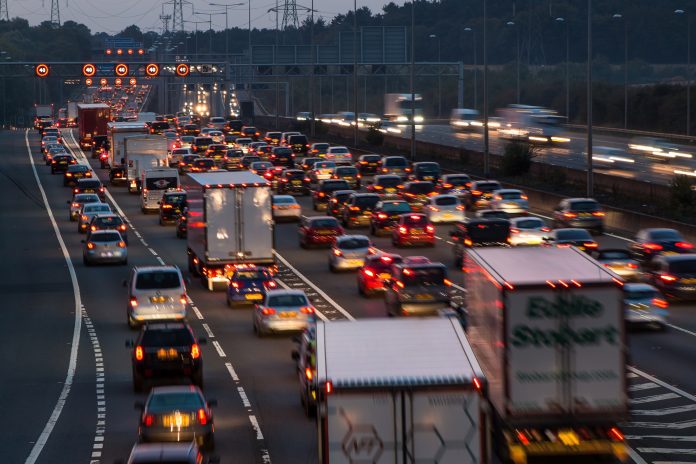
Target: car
303,116
283,156
348,252
256,148
417,193
417,290
109,221
171,206
234,159
444,208
75,172
336,202
645,306
182,225
217,152
186,163
579,238
177,155
321,195
201,144
375,273
79,200
426,170
158,127
190,130
357,210
155,293
283,311
272,137
251,132
299,144
293,181
318,230
203,165
480,194
178,413
248,285
339,155
99,141
230,140
87,212
89,185
53,150
165,453
413,229
318,149
104,246
217,122
674,276
48,140
454,184
307,164
385,214
305,360
234,126
653,242
321,170
528,230
284,137
386,185
619,261
217,136
478,232
348,173
247,160
584,213
243,143
286,207
490,214
368,164
512,201
657,149
260,167
60,163
397,165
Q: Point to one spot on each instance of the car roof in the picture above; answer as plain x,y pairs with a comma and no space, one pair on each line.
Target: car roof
284,197
283,291
165,325
106,215
153,452
659,229
341,238
84,181
155,268
174,389
515,220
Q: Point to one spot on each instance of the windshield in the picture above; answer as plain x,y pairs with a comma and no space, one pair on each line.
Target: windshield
157,280
416,220
161,402
176,199
483,232
282,151
424,276
88,183
388,181
510,195
324,223
382,263
283,200
366,201
321,146
396,207
297,139
395,162
82,198
687,266
584,206
339,150
371,158
428,168
340,185
353,243
529,224
98,208
641,294
169,337
108,221
574,234
294,174
487,186
446,201
665,234
615,254
204,163
421,188
105,237
325,165
204,141
345,171
287,300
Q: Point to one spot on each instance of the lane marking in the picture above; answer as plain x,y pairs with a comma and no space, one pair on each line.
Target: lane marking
232,372
691,452
635,456
676,390
75,343
256,427
101,397
218,348
642,386
316,311
654,398
206,327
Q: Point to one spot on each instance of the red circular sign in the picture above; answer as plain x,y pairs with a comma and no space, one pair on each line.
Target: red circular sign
121,70
118,81
132,81
89,70
182,69
152,70
88,82
41,70
103,82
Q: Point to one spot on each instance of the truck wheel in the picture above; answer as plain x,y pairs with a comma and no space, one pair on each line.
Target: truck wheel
204,281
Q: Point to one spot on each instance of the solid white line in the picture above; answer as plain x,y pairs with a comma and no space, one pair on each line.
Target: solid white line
681,329
635,456
676,390
691,452
256,427
74,346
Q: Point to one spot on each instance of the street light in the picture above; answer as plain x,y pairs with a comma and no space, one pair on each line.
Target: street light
567,66
355,72
412,81
473,35
620,17
688,68
439,81
517,46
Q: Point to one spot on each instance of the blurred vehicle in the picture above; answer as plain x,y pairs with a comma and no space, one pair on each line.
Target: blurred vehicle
645,306
158,127
368,164
89,185
293,181
248,285
465,119
444,208
491,214
299,144
190,129
217,122
336,202
481,193
386,213
234,159
252,132
512,201
417,289
182,225
177,156
386,185
248,160
339,155
318,230
234,126
417,193
427,171
257,148
528,230
348,252
349,174
260,167
165,453
321,170
171,206
357,210
318,149
403,108
306,364
217,152
650,243
283,156
286,207
320,196
657,149
611,157
60,163
53,150
104,247
98,141
413,229
186,141
79,200
308,163
201,144
374,275
203,165
579,238
619,261
75,172
231,141
534,124
186,163
284,137
217,136
303,116
478,233
155,293
397,165
87,212
584,213
272,137
675,276
283,311
109,221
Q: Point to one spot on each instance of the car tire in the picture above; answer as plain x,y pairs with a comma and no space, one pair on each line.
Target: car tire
209,443
332,268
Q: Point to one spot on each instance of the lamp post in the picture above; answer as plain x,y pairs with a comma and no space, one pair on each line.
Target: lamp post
688,68
473,36
517,46
313,120
620,17
355,73
567,66
210,27
412,81
590,178
439,79
486,154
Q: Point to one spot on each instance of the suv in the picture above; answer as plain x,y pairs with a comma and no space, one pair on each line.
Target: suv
395,165
164,350
109,221
481,193
320,196
251,132
583,213
417,290
234,126
155,293
201,144
293,181
298,144
283,156
368,164
357,211
385,214
426,170
478,232
170,206
349,174
675,276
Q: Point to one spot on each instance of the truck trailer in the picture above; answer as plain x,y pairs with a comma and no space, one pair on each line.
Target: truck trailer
92,120
142,152
42,113
399,391
230,224
114,157
547,326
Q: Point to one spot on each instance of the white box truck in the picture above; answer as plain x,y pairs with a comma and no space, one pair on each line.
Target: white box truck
154,183
399,391
230,223
534,124
146,117
397,108
142,152
114,159
72,114
547,326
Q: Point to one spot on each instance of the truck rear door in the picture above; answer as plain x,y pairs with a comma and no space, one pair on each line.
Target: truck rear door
256,223
221,223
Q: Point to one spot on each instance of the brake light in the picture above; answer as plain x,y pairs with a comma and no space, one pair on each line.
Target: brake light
133,302
76,190
148,420
139,354
307,310
514,231
447,282
382,216
270,284
202,417
598,213
75,205
522,438
684,245
615,434
183,299
338,252
90,245
122,244
268,311
235,284
67,174
652,246
386,259
429,229
84,217
569,215
368,273
93,228
591,244
122,227
545,229
378,187
476,192
308,373
660,303
434,208
668,278
195,351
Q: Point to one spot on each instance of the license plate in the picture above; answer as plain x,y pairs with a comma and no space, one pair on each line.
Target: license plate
416,231
325,232
158,299
348,178
176,420
167,354
107,254
89,191
668,253
423,296
448,215
288,314
385,276
390,190
355,262
62,162
372,164
253,296
585,214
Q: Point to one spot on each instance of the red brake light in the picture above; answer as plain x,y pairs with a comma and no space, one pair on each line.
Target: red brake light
202,417
447,282
382,216
430,229
148,420
268,311
271,284
632,266
338,252
195,351
668,278
660,303
403,230
684,245
308,373
139,355
522,438
122,227
234,284
615,434
122,244
90,245
569,215
183,299
652,246
476,192
514,231
591,244
368,273
598,213
133,302
307,310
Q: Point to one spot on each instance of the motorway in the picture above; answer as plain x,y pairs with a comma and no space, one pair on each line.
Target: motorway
259,418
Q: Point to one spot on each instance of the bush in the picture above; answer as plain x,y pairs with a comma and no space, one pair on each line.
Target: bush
374,137
681,193
517,158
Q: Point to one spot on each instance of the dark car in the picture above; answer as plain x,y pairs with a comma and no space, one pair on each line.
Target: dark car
320,196
480,194
413,229
217,152
336,201
99,142
583,213
358,209
348,173
283,156
416,193
426,170
292,181
417,290
385,214
454,184
579,238
60,163
251,132
109,222
164,351
234,126
74,173
171,206
190,129
158,127
187,163
478,232
650,243
397,165
248,286
90,186
388,185
165,453
374,276
308,163
272,138
234,159
201,144
675,276
299,144
318,230
368,164
203,165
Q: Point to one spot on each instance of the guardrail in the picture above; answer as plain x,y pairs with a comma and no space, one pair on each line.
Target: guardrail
640,133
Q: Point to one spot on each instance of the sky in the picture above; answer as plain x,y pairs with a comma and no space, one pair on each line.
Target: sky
113,16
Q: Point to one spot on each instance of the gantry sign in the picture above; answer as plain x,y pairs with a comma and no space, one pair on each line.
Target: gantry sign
97,70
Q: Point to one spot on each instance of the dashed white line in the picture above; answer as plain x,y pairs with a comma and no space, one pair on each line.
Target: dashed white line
218,348
197,312
206,327
154,253
101,397
256,427
232,372
244,397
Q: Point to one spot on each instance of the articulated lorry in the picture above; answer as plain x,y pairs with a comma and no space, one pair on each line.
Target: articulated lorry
547,326
92,120
399,391
397,108
140,153
230,223
113,157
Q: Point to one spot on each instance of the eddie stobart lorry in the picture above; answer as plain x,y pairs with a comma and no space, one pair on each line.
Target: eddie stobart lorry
547,327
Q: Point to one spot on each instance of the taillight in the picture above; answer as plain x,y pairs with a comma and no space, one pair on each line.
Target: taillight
382,216
268,311
447,282
545,229
569,215
668,278
652,246
434,208
270,284
90,245
93,228
403,230
337,252
308,373
148,420
660,303
139,355
307,310
591,245
133,302
476,192
235,284
122,227
430,229
195,351
183,299
202,417
514,231
122,244
615,434
684,245
368,273
598,213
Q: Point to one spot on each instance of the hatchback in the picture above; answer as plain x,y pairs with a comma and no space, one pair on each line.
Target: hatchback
413,229
155,293
248,285
645,306
528,230
104,246
444,208
512,201
283,311
348,252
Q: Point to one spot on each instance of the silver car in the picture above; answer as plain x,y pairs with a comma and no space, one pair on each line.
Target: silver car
87,212
348,252
644,305
512,201
79,200
283,311
444,208
286,207
620,261
528,230
104,246
155,293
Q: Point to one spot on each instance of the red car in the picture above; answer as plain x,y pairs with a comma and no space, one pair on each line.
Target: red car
375,272
413,229
318,230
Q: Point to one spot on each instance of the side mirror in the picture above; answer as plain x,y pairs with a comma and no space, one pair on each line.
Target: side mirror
212,403
130,344
295,355
139,405
202,341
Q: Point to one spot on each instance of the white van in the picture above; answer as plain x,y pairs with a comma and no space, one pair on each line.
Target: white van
154,182
465,119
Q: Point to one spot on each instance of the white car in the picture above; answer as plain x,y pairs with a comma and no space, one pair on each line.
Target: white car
243,143
217,136
348,252
177,156
528,230
322,170
155,293
644,305
512,201
339,154
286,207
444,208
